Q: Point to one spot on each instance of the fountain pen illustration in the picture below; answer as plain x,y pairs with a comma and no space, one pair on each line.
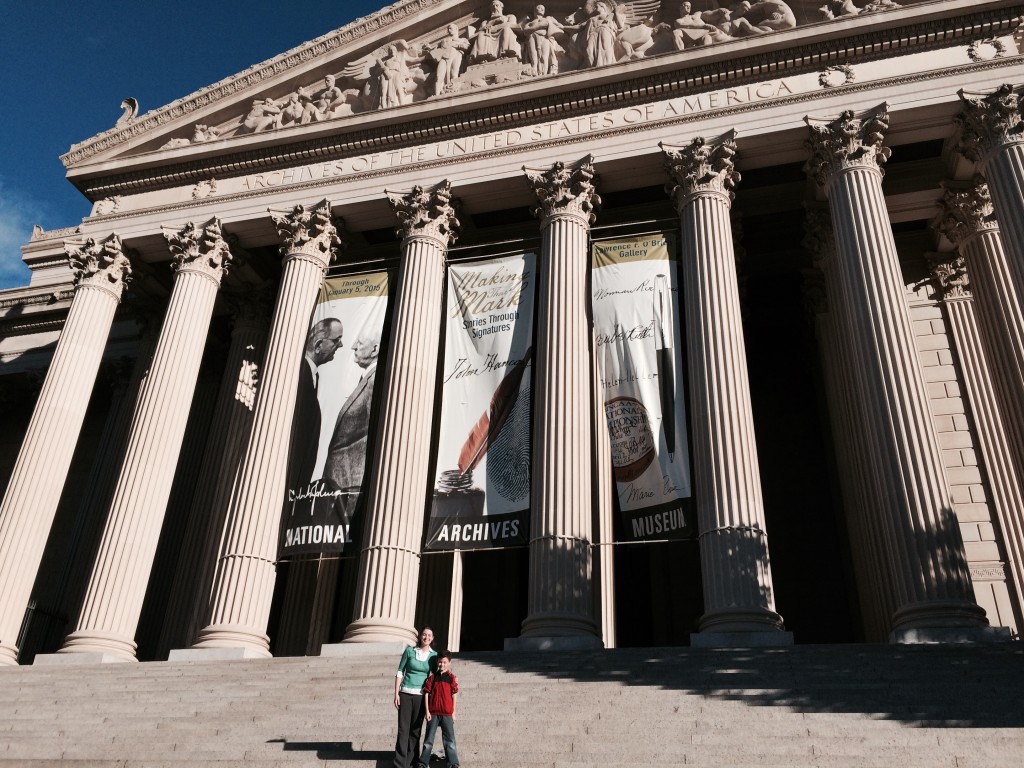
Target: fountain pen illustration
663,344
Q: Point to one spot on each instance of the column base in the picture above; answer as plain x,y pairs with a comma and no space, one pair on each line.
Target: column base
950,635
352,648
757,639
740,621
99,644
78,658
379,631
939,615
231,637
8,656
554,643
215,654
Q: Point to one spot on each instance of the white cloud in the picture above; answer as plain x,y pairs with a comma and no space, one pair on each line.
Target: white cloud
17,215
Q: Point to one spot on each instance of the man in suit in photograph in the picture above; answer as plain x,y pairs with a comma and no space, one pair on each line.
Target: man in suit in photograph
323,342
346,454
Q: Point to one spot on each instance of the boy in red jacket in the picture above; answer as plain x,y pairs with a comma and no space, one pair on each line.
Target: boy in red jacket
440,691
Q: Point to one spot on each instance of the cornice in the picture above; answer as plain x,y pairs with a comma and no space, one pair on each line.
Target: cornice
669,77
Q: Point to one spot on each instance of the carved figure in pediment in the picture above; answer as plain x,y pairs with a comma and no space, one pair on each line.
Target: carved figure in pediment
322,105
447,56
880,5
609,33
601,33
496,37
833,9
691,29
542,48
263,115
390,76
745,19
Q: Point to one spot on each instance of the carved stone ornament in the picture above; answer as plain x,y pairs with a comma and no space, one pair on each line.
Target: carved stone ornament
965,211
819,235
846,142
104,264
949,275
986,50
251,307
837,75
426,213
702,167
988,121
313,232
566,190
204,188
203,249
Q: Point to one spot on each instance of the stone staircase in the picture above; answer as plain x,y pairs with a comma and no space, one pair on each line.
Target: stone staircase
857,706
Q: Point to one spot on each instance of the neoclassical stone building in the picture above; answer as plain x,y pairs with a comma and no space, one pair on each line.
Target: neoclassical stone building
695,324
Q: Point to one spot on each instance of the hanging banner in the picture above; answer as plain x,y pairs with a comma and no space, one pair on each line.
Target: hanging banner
327,456
635,306
482,488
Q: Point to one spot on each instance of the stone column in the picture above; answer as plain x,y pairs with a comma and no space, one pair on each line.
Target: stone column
863,504
992,135
244,581
989,334
739,605
101,271
232,420
935,598
561,608
113,600
389,561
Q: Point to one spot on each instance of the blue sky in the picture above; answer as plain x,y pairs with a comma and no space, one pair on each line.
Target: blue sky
65,66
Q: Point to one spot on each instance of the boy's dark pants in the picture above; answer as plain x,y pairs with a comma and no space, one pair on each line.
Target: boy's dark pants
447,738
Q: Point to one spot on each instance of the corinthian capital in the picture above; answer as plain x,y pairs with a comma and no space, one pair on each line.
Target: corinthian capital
565,190
314,232
988,121
426,212
104,264
949,276
965,211
200,249
702,167
846,142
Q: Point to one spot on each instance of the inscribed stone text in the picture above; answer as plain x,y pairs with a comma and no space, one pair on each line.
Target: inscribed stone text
556,129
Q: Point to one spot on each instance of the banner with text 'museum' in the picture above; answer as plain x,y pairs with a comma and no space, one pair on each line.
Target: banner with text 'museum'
327,455
482,488
636,319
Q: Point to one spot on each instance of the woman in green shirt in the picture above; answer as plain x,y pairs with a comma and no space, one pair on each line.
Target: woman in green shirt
416,663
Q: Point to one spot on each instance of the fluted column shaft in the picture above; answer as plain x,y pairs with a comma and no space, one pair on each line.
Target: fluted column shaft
244,579
36,483
864,504
935,590
993,322
560,598
232,420
1003,476
113,600
738,595
389,561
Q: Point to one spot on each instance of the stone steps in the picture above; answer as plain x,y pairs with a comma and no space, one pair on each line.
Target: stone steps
819,706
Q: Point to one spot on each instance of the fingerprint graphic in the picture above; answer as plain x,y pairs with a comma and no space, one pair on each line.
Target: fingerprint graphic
508,458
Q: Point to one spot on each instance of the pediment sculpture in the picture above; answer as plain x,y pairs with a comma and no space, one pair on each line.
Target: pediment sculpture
496,46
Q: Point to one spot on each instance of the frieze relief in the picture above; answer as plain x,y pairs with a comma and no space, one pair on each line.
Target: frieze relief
505,42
